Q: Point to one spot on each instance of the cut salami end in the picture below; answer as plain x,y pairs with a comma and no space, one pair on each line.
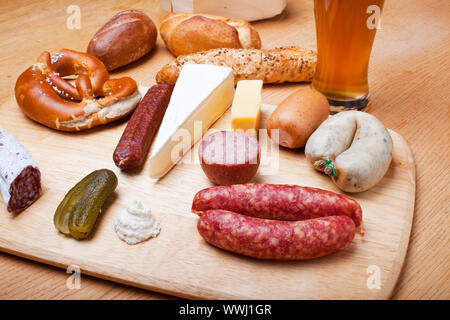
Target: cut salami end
20,178
25,189
229,157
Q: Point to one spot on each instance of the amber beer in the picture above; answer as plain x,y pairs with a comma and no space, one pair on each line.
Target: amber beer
345,33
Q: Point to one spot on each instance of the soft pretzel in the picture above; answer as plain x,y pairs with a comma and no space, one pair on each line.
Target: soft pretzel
46,97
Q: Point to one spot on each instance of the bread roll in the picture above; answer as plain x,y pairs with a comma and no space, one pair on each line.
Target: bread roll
185,33
285,64
128,36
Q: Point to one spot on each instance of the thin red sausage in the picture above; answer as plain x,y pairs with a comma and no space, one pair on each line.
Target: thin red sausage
276,201
276,240
141,129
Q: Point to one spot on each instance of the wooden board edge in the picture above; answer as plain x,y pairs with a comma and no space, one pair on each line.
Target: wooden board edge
387,292
93,272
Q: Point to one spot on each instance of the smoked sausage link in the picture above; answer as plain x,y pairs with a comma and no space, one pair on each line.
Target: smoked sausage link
276,201
141,129
276,240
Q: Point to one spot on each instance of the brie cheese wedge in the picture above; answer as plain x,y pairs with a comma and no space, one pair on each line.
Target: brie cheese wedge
201,95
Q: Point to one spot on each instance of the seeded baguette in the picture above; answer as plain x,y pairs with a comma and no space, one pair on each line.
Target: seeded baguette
284,64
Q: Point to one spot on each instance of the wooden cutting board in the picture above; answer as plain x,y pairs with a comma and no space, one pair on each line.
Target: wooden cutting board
179,261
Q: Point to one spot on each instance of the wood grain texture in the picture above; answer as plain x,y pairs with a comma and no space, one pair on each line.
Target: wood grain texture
409,93
179,261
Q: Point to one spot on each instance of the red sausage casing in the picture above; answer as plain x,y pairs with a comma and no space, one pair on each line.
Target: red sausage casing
276,201
141,129
277,240
229,157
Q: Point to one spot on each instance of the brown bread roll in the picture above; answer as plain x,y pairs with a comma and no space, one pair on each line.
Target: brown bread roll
185,33
128,36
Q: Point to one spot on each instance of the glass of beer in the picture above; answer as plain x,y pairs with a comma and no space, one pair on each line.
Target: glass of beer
345,34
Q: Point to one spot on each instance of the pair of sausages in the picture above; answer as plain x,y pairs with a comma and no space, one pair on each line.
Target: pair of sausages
279,222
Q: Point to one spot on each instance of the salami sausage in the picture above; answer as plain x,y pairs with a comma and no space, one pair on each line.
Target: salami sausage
229,157
276,201
20,178
277,240
141,129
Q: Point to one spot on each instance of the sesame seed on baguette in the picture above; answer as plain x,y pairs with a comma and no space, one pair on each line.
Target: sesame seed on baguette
284,64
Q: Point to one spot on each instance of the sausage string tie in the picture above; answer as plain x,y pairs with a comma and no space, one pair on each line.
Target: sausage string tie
329,165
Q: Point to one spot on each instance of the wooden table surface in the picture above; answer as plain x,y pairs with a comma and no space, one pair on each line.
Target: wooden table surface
409,93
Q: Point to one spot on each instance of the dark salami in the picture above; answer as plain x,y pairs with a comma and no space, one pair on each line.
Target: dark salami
277,240
20,178
141,129
276,201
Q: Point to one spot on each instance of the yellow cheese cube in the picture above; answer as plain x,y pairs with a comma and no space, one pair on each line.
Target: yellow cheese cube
246,107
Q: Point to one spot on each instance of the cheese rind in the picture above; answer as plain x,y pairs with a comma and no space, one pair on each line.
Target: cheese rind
246,108
249,10
201,95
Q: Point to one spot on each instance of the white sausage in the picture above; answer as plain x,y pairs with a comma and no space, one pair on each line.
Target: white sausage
358,145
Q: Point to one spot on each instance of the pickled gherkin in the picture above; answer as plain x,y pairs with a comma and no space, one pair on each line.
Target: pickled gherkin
77,214
61,218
